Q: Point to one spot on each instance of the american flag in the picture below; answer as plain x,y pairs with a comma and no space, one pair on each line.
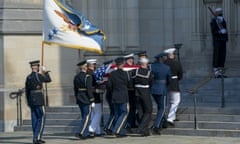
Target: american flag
102,73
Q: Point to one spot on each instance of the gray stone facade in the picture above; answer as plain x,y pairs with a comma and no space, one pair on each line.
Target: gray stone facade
130,26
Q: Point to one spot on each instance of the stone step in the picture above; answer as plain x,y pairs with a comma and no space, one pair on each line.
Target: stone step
60,115
229,84
63,109
53,128
183,125
210,110
57,122
209,117
209,125
202,132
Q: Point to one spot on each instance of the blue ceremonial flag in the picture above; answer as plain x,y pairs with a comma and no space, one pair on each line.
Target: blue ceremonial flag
65,26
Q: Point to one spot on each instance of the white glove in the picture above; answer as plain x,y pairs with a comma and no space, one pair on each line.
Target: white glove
42,68
223,31
220,19
93,105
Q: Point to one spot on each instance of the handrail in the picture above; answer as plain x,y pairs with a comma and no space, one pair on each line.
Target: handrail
194,90
17,95
196,87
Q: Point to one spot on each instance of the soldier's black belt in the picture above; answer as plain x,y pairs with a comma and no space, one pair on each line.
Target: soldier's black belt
82,89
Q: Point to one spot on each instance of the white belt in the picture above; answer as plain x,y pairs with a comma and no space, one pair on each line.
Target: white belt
174,77
99,91
141,86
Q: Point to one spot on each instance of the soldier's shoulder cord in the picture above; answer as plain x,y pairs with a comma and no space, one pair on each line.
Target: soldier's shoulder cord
36,74
86,76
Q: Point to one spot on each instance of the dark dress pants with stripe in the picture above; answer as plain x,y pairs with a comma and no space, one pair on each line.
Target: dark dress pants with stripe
121,111
38,121
86,119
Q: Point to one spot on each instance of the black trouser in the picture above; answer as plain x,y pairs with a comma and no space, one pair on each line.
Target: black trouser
144,99
109,123
131,120
219,53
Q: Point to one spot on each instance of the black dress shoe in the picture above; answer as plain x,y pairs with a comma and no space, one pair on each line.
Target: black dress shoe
36,142
176,119
171,124
129,130
91,134
156,131
144,134
99,135
120,135
108,132
41,141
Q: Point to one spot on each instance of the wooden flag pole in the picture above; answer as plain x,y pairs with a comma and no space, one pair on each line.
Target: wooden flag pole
42,53
42,63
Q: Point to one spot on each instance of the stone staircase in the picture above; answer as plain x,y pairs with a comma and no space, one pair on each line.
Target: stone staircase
212,120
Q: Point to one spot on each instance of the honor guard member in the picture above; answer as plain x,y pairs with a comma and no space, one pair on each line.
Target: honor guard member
173,88
139,113
131,120
142,83
95,125
83,91
162,76
118,84
141,54
35,99
109,124
220,38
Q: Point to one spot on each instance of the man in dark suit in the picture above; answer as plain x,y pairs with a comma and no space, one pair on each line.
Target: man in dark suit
35,98
118,84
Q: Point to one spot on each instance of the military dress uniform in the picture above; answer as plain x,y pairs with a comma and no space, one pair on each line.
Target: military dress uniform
131,120
162,76
118,84
220,38
84,98
142,82
173,88
110,122
95,125
35,99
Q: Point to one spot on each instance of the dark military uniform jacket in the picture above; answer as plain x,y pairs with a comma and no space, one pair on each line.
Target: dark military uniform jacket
177,74
215,29
142,80
118,84
97,88
33,88
83,88
162,77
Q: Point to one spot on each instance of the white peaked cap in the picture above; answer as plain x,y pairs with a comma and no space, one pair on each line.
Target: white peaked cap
218,10
128,56
143,60
92,61
170,50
